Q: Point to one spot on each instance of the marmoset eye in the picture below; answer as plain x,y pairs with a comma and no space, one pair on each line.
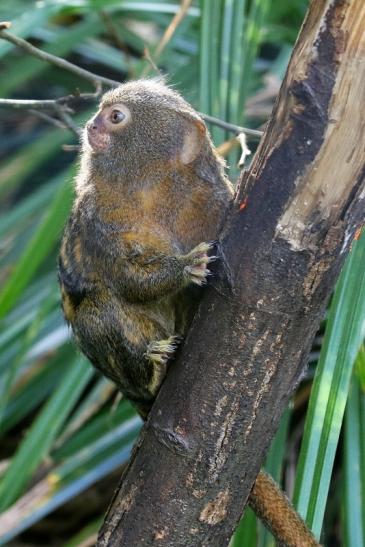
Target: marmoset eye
117,116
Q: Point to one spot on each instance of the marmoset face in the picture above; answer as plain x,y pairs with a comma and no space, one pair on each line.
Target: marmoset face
140,124
107,121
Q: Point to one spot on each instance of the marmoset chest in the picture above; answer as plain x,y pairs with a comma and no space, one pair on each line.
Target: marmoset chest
173,213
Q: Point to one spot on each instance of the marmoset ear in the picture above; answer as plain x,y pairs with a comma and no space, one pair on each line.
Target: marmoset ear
194,137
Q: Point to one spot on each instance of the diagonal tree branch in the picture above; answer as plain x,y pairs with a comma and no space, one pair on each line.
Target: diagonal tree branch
292,222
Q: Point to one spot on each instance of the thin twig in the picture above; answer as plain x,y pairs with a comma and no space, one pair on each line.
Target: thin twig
51,103
40,104
232,127
64,120
67,120
226,147
54,60
27,104
97,80
37,106
168,34
113,31
114,34
71,147
61,106
147,55
43,116
170,31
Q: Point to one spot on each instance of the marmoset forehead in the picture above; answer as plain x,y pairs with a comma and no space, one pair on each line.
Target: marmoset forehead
150,92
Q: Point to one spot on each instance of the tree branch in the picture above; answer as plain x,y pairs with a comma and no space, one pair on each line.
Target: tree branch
43,116
232,127
96,79
26,104
44,104
67,120
292,222
54,60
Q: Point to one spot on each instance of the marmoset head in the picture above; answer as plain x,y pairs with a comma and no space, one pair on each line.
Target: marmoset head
143,123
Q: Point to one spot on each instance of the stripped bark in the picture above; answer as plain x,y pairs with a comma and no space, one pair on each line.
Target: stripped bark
291,226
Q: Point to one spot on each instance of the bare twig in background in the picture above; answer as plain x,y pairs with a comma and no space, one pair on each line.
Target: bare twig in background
53,59
70,99
170,31
59,106
39,104
244,149
148,57
67,120
47,118
168,34
70,147
113,31
28,104
227,146
231,126
62,105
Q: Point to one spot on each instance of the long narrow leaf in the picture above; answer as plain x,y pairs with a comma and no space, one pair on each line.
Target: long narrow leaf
14,365
354,473
38,248
35,390
246,532
23,25
344,334
43,431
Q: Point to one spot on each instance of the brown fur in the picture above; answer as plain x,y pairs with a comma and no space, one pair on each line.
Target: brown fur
143,203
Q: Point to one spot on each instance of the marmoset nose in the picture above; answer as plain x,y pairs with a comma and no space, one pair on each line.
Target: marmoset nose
94,125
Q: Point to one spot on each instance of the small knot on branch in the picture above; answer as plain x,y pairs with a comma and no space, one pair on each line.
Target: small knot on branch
5,25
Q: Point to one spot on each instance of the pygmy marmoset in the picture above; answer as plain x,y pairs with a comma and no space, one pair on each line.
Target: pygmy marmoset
151,196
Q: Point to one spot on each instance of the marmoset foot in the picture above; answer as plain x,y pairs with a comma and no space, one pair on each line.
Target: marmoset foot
158,353
197,269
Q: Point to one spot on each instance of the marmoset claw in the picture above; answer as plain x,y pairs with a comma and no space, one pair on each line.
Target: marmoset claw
160,351
197,270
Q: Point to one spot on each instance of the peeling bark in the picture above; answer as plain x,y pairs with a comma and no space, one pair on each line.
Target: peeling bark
304,198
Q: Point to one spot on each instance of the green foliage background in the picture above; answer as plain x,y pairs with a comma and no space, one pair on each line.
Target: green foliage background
64,432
